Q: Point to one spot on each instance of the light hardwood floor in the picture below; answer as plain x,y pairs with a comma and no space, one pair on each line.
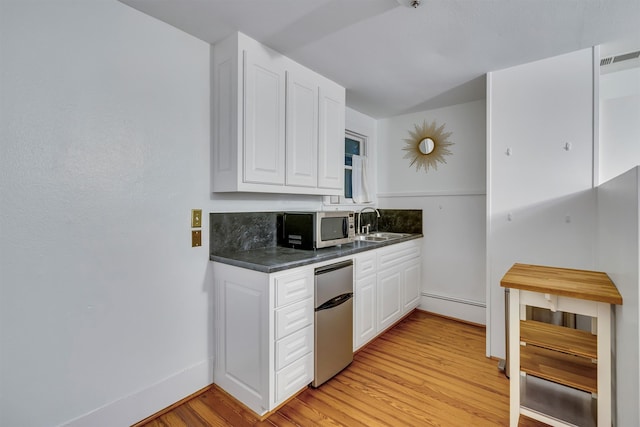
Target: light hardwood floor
426,371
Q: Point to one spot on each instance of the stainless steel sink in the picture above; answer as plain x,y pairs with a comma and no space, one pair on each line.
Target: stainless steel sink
380,236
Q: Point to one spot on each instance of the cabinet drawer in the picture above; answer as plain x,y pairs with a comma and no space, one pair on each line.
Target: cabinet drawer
293,347
294,317
294,377
396,254
294,287
365,264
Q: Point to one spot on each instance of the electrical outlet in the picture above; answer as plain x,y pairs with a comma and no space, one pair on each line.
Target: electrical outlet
196,238
196,218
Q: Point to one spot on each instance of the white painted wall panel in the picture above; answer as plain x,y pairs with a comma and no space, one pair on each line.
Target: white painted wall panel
541,206
619,255
105,147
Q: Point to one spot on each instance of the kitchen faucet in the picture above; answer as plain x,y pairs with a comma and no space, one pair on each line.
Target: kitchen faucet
360,227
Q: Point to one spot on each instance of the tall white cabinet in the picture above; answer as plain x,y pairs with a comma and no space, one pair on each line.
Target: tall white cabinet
278,127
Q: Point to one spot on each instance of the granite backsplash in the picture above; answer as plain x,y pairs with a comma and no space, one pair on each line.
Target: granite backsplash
243,231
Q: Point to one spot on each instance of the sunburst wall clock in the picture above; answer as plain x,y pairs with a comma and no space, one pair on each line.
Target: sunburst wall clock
427,146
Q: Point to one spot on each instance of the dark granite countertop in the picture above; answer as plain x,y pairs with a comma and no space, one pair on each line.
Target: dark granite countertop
278,258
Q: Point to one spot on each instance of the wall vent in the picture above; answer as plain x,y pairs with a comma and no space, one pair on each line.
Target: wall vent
606,61
626,56
620,62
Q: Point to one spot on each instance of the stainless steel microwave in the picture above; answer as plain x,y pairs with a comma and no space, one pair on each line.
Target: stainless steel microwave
315,230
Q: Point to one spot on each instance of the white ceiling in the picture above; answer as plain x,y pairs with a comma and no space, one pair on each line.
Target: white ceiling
395,59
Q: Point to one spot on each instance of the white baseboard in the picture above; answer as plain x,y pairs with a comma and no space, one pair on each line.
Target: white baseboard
137,406
458,308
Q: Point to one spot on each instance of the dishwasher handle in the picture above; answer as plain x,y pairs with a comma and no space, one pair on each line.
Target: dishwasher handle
332,267
334,302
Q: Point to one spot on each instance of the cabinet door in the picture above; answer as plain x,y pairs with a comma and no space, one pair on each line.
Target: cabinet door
389,297
302,129
365,311
412,284
264,126
331,132
242,335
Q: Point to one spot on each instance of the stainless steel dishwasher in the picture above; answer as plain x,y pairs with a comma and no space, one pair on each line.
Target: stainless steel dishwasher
333,320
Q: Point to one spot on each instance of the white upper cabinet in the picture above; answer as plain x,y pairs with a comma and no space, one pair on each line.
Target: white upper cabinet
278,127
264,117
330,154
302,128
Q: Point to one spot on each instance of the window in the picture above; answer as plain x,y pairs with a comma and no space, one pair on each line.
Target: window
354,144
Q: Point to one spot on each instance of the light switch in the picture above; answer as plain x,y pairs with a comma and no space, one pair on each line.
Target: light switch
196,238
196,218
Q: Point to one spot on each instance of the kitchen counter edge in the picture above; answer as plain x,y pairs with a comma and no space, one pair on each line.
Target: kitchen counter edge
274,259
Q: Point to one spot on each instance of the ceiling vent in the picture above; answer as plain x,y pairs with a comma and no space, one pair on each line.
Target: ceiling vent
620,62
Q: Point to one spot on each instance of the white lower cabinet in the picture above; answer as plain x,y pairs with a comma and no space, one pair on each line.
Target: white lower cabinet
389,283
387,286
365,310
264,323
264,334
412,284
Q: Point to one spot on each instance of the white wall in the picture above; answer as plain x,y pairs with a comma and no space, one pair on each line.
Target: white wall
541,206
453,202
464,171
619,255
105,309
105,141
619,122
